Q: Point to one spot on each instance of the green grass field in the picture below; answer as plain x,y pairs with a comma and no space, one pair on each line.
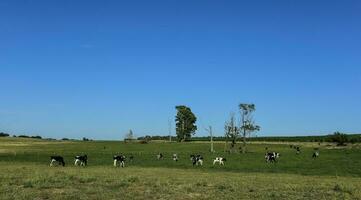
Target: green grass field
25,172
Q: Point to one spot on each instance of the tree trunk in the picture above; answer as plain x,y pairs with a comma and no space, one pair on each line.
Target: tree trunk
210,131
244,142
244,133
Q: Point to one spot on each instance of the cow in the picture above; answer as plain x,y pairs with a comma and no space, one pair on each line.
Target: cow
175,157
219,160
272,157
119,160
315,154
197,160
58,159
160,156
81,160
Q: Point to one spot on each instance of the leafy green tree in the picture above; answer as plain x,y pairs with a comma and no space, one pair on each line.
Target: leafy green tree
248,125
185,123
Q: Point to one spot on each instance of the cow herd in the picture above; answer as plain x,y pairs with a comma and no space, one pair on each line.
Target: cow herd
119,160
196,160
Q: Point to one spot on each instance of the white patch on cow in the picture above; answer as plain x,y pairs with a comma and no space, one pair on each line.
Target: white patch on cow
175,157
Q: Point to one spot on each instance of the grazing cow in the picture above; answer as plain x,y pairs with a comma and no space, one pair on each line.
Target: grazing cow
219,160
272,157
160,156
315,154
119,160
197,160
175,157
298,150
58,159
81,160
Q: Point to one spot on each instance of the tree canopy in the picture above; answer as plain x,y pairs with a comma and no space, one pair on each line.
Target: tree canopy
185,123
248,125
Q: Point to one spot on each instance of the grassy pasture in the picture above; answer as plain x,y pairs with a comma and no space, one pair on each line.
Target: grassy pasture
25,174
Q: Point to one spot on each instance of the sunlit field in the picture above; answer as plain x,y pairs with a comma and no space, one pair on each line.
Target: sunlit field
25,171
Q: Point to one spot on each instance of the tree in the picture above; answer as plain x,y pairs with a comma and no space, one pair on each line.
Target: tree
231,131
339,138
129,136
248,125
185,123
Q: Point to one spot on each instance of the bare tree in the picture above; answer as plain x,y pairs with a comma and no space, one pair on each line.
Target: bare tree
247,123
129,136
232,131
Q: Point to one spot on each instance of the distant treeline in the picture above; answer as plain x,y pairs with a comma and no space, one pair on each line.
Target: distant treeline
4,134
26,136
351,138
156,137
336,137
346,138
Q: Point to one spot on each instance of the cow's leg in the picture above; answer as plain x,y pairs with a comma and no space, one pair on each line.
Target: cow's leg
52,162
76,162
115,162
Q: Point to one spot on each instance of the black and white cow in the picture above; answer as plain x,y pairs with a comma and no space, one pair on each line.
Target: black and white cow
219,160
119,160
315,154
160,156
272,156
57,159
175,157
197,160
81,160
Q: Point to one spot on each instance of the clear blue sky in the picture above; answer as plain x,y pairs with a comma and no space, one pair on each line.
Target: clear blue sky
99,68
